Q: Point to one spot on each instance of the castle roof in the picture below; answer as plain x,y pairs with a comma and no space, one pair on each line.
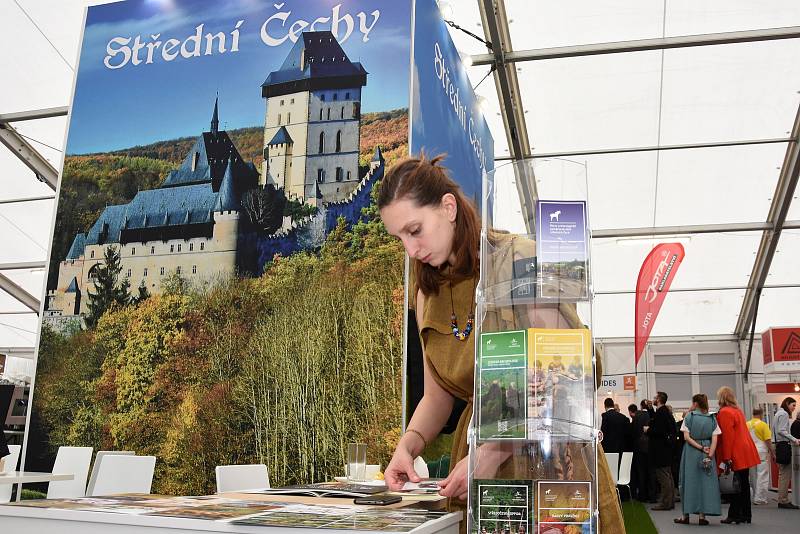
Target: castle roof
281,137
316,61
73,286
226,198
77,247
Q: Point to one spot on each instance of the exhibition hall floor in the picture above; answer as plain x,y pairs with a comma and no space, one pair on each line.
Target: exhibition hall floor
766,518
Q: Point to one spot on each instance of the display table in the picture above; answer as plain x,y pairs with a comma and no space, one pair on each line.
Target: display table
30,519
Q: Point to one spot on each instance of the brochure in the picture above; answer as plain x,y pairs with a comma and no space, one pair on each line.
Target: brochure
503,366
560,379
562,249
502,505
324,489
562,504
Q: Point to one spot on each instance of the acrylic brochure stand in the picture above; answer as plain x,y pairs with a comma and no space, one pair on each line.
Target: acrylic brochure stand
532,440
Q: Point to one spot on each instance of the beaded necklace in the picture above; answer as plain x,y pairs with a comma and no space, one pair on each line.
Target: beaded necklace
459,334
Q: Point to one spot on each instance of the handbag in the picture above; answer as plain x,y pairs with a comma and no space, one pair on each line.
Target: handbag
729,482
783,453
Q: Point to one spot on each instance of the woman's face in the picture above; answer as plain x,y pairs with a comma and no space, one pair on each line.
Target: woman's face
426,232
792,406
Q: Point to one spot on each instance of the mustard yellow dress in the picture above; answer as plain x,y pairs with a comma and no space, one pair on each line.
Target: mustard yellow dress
451,363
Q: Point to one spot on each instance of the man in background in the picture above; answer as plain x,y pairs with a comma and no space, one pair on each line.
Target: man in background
661,433
615,428
762,437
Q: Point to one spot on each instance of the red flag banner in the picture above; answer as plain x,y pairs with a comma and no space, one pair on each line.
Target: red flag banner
655,277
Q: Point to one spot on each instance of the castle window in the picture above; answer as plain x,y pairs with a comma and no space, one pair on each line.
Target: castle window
178,269
129,273
342,113
320,175
195,160
145,271
279,119
202,246
288,118
162,271
339,174
152,250
322,97
91,254
133,251
320,113
321,145
347,96
194,269
329,113
93,271
356,109
172,248
179,247
291,101
339,141
281,102
191,247
348,176
336,96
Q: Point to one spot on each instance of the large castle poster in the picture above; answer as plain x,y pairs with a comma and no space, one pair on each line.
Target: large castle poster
220,288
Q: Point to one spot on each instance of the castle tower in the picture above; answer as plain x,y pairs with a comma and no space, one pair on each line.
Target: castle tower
315,97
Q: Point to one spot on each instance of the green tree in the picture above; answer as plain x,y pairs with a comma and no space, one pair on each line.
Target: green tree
108,289
143,293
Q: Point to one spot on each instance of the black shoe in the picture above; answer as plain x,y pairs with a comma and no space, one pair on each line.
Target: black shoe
662,508
788,506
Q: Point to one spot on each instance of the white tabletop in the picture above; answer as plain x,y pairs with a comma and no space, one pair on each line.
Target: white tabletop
24,477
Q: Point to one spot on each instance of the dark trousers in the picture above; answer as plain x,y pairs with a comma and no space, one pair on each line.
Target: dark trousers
664,477
643,486
740,502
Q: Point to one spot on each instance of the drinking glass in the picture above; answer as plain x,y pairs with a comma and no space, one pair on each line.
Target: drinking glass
356,461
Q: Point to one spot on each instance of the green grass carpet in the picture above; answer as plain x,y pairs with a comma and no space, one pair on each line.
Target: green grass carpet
637,520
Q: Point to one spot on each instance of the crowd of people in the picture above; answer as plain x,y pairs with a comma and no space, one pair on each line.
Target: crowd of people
704,459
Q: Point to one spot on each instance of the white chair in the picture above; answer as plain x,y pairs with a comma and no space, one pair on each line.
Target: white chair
241,477
9,466
624,478
74,461
98,459
613,465
123,473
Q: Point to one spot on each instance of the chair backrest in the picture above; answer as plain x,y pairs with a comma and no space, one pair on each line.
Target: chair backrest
241,477
122,473
74,461
613,465
98,459
9,466
625,464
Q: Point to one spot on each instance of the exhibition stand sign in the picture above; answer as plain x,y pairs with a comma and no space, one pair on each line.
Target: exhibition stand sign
218,266
781,350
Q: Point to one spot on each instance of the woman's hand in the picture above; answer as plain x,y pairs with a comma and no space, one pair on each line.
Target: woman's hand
707,450
400,470
455,485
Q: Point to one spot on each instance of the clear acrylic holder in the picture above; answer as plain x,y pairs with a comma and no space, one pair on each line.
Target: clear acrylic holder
532,439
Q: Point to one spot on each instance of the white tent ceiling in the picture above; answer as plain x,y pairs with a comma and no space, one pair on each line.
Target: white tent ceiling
707,94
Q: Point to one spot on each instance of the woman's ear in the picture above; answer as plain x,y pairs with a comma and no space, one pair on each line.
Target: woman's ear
450,206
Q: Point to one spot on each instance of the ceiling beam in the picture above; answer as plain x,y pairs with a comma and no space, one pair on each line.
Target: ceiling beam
17,144
653,148
655,231
11,287
22,265
495,27
34,114
697,289
663,43
18,352
21,200
776,220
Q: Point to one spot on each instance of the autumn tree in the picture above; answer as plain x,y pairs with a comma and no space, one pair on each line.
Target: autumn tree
108,289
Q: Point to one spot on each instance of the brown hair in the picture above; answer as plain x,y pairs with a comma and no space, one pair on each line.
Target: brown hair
425,182
786,402
726,397
702,401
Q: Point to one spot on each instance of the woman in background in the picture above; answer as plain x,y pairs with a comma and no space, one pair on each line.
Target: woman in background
783,450
737,451
699,484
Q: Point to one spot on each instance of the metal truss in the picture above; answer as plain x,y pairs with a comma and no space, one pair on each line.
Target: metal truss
18,352
22,265
20,147
11,287
684,41
656,231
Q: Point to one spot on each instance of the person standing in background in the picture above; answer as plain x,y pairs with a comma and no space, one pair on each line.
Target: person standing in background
643,485
615,428
762,439
783,450
736,450
662,434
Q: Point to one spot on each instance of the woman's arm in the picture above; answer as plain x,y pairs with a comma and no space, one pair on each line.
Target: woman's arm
713,448
725,444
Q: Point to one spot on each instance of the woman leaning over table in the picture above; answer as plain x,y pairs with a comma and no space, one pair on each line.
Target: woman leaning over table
737,451
440,230
698,475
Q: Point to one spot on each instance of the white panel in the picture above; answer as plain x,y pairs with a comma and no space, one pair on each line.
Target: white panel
17,180
712,260
690,17
683,314
778,307
544,23
47,136
25,231
785,268
591,102
31,281
18,330
730,92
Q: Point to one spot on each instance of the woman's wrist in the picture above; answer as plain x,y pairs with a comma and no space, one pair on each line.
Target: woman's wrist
418,440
